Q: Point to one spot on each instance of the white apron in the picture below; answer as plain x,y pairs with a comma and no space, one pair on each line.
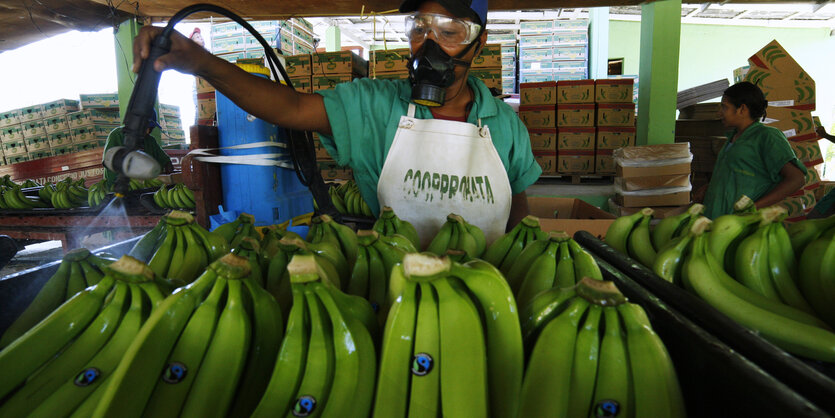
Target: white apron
436,167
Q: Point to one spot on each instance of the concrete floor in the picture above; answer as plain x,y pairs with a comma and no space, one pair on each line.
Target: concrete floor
592,190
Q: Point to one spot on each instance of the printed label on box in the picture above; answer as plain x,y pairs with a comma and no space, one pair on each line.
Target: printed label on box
575,91
56,124
538,93
808,152
490,56
297,65
575,115
538,116
613,91
18,158
59,107
11,133
543,140
327,83
28,114
37,143
100,101
33,129
338,63
14,148
575,139
10,118
796,124
547,161
614,138
576,164
604,164
59,139
392,60
616,114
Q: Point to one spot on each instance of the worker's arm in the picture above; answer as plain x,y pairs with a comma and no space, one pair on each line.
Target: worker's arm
267,100
822,133
793,180
518,210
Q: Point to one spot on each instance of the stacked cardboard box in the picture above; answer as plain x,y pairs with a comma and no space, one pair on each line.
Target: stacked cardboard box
509,67
699,126
331,68
389,64
232,42
171,126
487,66
615,120
653,175
791,99
538,112
576,132
57,127
553,50
206,104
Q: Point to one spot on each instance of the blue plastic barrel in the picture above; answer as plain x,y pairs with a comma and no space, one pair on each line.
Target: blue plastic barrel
271,194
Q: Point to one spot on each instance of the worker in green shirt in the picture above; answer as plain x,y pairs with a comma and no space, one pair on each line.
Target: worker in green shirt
435,144
756,161
826,206
150,146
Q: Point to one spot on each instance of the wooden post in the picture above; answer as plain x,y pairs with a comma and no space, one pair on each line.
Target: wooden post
203,178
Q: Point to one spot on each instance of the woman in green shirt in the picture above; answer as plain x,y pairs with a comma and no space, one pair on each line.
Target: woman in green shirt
756,161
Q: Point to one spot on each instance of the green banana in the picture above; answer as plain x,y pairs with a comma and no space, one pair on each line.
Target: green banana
613,387
516,273
655,386
584,263
804,232
542,274
672,226
425,397
398,226
780,273
670,259
726,232
751,268
584,367
392,397
617,235
316,382
639,243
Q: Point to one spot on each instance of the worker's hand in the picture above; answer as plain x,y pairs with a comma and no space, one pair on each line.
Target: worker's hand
699,194
186,56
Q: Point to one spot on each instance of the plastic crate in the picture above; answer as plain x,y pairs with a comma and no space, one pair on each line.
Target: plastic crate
811,379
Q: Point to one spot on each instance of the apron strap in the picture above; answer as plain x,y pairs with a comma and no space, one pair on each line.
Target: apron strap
411,112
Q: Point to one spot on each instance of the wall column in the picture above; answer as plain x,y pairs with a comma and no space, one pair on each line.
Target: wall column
598,42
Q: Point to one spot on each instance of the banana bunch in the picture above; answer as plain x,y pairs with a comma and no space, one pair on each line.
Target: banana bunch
595,354
135,184
7,181
790,328
235,231
63,365
96,193
452,344
249,249
504,251
458,234
150,183
327,254
816,267
30,183
79,269
388,223
324,228
45,192
13,198
348,200
803,233
555,260
69,194
327,364
377,256
175,197
728,231
206,350
179,248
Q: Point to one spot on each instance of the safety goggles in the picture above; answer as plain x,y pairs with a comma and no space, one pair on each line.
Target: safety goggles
448,30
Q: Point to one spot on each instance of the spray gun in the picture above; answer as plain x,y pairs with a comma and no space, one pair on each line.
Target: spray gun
130,161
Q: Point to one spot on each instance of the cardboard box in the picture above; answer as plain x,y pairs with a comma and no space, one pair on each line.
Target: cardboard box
774,58
387,61
781,90
490,57
575,115
665,199
660,212
59,139
576,162
11,133
544,93
616,114
88,145
340,62
813,180
581,91
63,150
799,206
536,27
170,111
808,152
604,162
575,139
401,75
547,160
303,84
795,123
652,171
31,113
491,77
329,82
56,124
203,86
654,182
536,54
569,215
536,41
297,65
569,52
206,106
611,138
59,107
321,152
331,171
37,143
538,117
37,155
543,139
90,133
10,118
17,147
233,57
100,101
613,90
93,117
825,188
18,158
229,44
33,128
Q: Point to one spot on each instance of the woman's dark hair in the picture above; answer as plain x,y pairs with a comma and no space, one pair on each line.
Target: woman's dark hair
748,94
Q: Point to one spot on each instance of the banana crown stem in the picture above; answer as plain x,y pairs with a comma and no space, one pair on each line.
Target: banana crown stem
77,254
599,292
246,218
700,226
420,267
179,216
231,267
130,269
531,221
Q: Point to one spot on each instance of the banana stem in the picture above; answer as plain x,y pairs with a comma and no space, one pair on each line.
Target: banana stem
600,292
700,226
131,270
231,267
425,267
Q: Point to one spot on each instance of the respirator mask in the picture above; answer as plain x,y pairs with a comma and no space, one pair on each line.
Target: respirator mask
431,70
